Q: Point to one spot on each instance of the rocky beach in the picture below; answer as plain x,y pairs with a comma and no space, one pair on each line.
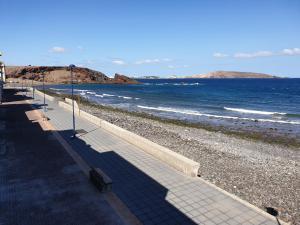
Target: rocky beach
264,174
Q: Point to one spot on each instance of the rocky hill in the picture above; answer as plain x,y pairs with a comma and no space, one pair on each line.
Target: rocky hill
60,75
232,74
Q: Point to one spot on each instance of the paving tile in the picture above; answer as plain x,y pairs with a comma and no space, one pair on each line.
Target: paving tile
143,182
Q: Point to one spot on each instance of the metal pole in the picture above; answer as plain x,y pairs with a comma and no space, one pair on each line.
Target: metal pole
73,113
26,87
1,81
32,88
45,108
22,87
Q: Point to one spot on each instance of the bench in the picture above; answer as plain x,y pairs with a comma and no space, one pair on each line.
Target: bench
100,180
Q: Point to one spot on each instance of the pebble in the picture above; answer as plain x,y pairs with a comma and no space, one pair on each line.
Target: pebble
261,173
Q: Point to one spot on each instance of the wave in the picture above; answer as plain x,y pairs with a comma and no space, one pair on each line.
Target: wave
187,84
254,111
125,97
57,89
80,90
176,84
108,95
101,96
197,113
91,92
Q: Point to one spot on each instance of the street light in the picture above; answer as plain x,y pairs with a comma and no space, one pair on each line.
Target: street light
71,73
25,86
2,79
45,108
32,88
22,86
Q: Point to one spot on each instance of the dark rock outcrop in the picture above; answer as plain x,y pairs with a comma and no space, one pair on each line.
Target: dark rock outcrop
60,74
124,79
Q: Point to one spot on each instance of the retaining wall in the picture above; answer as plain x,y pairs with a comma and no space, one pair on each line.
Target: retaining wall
173,159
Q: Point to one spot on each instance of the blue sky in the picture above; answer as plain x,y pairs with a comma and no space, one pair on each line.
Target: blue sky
157,37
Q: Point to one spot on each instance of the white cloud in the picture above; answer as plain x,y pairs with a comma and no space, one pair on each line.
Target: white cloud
147,61
152,61
57,49
177,67
245,55
291,51
253,54
119,62
220,55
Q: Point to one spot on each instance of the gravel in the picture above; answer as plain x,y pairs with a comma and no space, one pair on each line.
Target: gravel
264,174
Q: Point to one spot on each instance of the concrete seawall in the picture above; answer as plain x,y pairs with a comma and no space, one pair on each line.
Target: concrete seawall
173,159
48,97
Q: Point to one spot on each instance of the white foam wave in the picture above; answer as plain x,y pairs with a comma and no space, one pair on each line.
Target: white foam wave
125,97
57,89
187,84
91,92
196,113
254,111
101,96
109,95
80,90
178,84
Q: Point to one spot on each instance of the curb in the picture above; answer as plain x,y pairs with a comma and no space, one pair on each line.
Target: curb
117,205
173,159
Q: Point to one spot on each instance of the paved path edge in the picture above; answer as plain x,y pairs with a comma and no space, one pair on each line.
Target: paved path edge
120,208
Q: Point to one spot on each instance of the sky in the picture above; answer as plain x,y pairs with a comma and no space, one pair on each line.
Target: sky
157,37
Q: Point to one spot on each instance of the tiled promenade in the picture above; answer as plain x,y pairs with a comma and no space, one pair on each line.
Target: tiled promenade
40,184
153,191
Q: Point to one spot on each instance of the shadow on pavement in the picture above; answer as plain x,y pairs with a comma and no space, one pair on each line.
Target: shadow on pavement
39,182
145,197
10,95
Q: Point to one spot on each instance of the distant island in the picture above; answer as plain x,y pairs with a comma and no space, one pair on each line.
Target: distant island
215,74
61,75
231,74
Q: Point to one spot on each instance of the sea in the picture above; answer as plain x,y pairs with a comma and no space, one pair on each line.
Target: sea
261,104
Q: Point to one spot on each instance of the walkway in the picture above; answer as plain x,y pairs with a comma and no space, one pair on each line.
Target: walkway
39,182
153,191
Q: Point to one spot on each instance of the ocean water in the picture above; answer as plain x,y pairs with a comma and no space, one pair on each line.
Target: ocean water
264,102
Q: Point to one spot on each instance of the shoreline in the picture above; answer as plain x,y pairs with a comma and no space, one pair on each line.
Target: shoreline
264,174
254,135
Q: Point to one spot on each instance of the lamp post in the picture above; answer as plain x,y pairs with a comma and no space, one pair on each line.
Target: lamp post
25,86
73,113
2,78
32,88
45,108
22,86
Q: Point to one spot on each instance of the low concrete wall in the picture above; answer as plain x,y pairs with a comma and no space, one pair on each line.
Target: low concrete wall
69,107
173,159
68,100
48,97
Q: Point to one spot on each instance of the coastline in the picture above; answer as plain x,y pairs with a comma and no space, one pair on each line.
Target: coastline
264,174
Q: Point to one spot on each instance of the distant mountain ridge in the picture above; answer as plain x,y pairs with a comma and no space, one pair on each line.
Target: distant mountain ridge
232,74
61,74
